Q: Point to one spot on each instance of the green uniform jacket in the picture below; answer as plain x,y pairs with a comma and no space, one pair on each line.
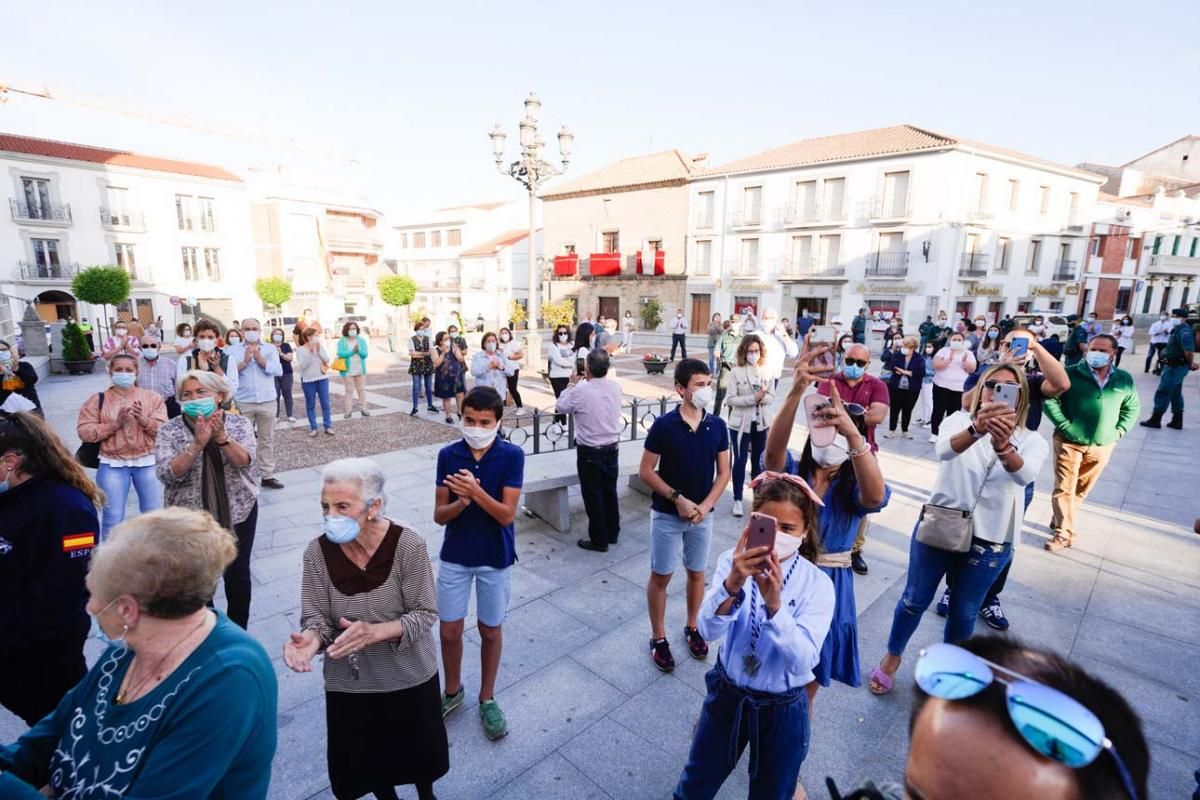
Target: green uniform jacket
1087,415
727,347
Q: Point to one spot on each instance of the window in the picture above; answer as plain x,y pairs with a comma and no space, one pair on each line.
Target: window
45,257
117,210
653,245
1035,257
801,261
1157,245
454,237
404,241
37,198
891,241
569,248
745,303
1003,254
1184,298
752,205
1146,302
610,242
804,200
435,238
208,216
980,191
125,259
882,309
1073,209
831,249
749,262
835,198
1133,248
706,202
419,239
1096,247
212,265
185,211
704,257
1195,241
1045,200
1175,245
191,271
1124,298
1014,194
895,194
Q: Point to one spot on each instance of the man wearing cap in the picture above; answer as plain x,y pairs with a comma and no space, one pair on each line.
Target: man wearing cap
1177,359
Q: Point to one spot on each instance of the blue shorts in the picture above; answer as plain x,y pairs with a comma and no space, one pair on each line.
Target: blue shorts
492,589
667,532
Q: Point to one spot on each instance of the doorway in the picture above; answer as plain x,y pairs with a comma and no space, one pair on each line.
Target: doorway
817,308
610,307
701,311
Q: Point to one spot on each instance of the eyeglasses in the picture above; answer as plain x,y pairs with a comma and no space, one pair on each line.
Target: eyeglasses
1053,723
856,362
993,384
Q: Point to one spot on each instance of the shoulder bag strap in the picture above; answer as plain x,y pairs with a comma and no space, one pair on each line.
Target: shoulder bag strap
979,494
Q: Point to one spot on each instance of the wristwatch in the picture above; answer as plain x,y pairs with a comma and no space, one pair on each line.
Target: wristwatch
675,495
975,432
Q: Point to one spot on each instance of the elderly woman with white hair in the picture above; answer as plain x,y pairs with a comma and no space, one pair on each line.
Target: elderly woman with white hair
368,603
182,704
205,460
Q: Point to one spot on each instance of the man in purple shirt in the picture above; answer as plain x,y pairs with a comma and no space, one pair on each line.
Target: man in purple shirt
595,404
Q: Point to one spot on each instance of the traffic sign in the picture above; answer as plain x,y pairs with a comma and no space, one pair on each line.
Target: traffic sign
175,300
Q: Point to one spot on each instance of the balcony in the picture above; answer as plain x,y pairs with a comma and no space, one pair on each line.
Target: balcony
603,265
34,271
350,236
56,214
794,216
1064,271
1166,264
705,220
566,266
888,264
973,265
114,219
1076,222
980,213
651,263
811,269
747,219
737,268
886,208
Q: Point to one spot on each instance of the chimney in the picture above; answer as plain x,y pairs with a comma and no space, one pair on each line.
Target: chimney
700,161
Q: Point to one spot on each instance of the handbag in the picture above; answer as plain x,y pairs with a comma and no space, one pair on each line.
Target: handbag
88,454
950,529
339,364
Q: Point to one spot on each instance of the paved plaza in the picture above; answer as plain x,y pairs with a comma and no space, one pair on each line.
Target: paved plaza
591,718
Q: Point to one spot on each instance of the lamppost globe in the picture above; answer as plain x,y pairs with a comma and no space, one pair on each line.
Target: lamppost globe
565,140
532,107
498,137
528,131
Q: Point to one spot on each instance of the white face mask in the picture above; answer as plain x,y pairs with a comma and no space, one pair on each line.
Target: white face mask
277,338
562,337
504,337
752,357
206,345
490,347
252,337
235,340
121,333
834,455
703,397
958,345
906,351
478,438
352,332
786,545
1176,322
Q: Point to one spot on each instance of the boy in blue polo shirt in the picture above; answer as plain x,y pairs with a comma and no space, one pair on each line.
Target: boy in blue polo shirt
479,482
686,444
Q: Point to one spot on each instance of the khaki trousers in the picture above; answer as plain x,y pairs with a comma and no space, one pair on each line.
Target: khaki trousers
262,417
1077,467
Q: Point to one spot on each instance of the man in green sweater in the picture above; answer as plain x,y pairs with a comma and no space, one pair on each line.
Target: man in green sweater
1089,418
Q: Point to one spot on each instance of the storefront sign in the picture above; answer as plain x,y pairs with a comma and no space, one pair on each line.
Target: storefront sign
752,287
1044,291
981,290
1073,288
889,288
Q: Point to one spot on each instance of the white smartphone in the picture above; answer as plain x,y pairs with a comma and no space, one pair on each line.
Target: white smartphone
1007,393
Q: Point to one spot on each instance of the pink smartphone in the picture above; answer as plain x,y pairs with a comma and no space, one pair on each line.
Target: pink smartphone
819,436
762,531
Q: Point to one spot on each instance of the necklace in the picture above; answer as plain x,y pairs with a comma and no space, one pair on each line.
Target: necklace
750,661
132,691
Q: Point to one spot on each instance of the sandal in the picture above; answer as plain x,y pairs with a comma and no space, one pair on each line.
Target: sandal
885,681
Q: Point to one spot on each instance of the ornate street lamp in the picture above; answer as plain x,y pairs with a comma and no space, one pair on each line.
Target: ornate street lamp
531,171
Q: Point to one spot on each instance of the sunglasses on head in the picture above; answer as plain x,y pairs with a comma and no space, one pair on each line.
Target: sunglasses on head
1053,723
856,362
992,384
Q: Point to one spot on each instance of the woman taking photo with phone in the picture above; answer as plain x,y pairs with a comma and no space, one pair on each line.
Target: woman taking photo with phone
749,400
951,367
987,457
773,607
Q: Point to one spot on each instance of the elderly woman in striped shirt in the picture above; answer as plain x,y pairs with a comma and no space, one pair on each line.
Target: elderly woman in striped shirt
368,603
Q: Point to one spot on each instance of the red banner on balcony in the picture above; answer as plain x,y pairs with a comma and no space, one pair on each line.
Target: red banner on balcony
603,264
659,259
566,265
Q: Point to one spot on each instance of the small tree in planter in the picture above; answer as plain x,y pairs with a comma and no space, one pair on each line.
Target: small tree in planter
273,292
560,313
516,315
77,356
397,291
102,286
651,314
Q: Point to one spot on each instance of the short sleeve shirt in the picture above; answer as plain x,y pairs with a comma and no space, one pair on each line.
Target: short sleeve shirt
868,390
687,459
474,538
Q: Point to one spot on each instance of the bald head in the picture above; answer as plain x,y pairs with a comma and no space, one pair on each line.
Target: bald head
858,351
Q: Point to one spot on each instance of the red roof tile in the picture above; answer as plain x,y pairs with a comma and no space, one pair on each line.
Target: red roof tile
478,206
494,246
98,155
664,167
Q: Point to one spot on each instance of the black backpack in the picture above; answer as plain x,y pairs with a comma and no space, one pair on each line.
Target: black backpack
88,453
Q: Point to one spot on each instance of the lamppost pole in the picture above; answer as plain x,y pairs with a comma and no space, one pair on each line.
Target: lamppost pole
531,171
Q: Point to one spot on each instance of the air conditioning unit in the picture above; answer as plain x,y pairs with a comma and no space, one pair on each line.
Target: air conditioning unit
1124,213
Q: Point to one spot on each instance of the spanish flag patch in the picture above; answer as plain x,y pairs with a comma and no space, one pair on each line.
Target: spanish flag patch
78,541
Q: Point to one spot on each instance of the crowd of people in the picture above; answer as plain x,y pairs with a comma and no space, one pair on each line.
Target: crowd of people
195,443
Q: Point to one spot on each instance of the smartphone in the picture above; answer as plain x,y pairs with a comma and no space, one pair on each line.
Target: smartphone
821,436
823,336
762,531
1019,346
1007,393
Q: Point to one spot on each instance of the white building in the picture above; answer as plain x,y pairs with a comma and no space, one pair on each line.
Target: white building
900,220
179,228
495,273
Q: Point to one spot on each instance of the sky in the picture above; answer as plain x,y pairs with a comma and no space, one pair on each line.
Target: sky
395,99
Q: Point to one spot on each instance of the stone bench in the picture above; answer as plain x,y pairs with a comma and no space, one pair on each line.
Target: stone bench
550,476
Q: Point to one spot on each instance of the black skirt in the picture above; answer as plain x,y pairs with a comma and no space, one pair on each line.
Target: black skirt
385,739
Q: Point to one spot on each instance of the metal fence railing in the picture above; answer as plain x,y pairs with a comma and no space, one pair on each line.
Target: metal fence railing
538,432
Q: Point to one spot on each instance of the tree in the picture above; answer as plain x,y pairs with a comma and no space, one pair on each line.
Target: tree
516,314
74,344
397,291
273,292
102,286
560,313
651,314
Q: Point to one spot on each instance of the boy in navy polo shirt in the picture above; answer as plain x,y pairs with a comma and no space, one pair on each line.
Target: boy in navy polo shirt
478,485
686,444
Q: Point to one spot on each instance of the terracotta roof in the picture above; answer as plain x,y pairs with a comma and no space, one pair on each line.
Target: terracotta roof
1105,197
494,246
667,166
479,206
99,155
864,144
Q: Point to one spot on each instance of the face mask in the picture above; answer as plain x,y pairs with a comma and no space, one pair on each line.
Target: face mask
424,332
478,438
703,397
906,351
123,380
786,545
186,335
121,333
352,332
201,407
832,456
993,334
150,353
769,324
490,347
752,358
959,345
1097,359
504,337
854,371
340,530
252,337
1176,322
277,338
234,340
928,351
206,345
562,337
1091,319
747,326
5,356
104,637
1163,318
679,316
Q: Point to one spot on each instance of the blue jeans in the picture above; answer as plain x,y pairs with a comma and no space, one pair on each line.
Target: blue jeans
114,481
313,390
1170,390
746,445
712,360
972,574
416,381
776,726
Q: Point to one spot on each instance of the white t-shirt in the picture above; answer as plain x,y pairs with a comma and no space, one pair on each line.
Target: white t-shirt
954,375
1001,505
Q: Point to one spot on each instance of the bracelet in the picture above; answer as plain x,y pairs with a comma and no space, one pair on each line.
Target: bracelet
192,453
862,451
1008,448
222,444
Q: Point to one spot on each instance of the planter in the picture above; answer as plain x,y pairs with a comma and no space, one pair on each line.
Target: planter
80,367
655,367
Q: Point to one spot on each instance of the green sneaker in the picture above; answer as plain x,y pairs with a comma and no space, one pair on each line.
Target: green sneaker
451,702
494,726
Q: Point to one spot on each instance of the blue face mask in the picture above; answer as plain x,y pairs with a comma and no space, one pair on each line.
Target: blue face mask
124,380
104,637
1097,359
150,353
203,407
341,530
854,371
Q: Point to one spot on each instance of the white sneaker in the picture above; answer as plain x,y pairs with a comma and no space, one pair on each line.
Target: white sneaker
292,420
737,508
908,435
890,435
312,433
932,439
